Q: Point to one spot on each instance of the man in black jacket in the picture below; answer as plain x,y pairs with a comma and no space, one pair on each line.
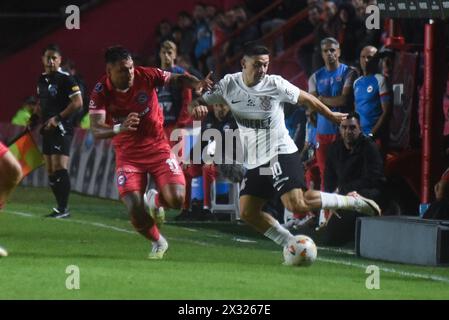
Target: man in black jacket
354,165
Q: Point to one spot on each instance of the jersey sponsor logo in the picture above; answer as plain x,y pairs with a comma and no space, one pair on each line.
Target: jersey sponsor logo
53,89
142,98
254,123
265,103
369,89
251,102
92,104
121,180
98,87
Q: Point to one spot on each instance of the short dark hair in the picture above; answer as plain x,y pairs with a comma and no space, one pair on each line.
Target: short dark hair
116,53
329,40
52,47
255,49
353,115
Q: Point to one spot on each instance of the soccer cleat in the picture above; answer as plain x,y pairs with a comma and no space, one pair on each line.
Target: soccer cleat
59,214
3,252
158,214
159,248
366,206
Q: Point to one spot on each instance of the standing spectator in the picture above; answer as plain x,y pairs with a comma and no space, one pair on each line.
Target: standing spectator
124,107
332,84
203,36
350,30
372,98
60,100
187,44
173,100
219,119
10,176
324,30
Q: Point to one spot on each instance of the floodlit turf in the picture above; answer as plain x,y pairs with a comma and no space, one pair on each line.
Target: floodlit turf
205,260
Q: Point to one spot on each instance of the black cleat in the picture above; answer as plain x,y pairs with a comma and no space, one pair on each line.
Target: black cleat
59,214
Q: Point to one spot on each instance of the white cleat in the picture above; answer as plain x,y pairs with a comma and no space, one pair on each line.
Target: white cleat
3,252
159,248
366,206
158,214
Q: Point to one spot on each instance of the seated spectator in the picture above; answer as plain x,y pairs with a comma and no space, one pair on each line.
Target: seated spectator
354,166
23,115
439,209
220,119
372,97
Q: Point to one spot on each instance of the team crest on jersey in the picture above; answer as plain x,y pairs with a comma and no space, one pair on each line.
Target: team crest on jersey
369,89
98,87
338,79
265,103
121,180
142,98
53,89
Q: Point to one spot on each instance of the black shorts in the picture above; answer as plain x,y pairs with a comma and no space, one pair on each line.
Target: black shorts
287,173
55,143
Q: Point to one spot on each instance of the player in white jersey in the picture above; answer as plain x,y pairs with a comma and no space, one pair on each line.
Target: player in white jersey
255,99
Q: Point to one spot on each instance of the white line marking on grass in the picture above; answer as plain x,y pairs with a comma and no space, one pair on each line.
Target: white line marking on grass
338,250
389,270
334,261
18,213
243,240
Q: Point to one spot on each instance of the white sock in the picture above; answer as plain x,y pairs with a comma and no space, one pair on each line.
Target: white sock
278,234
160,241
336,201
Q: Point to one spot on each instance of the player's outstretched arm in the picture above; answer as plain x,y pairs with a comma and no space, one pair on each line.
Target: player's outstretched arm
190,81
101,130
315,104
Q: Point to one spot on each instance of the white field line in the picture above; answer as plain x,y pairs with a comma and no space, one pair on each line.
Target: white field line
334,261
388,270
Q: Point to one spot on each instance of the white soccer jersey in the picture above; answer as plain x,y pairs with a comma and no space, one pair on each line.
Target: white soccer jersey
259,113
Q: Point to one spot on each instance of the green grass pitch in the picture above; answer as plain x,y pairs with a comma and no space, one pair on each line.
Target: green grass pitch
216,260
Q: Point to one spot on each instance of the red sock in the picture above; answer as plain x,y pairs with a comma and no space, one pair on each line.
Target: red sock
148,228
153,233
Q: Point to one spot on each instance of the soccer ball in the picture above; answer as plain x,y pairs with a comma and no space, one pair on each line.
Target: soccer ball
300,251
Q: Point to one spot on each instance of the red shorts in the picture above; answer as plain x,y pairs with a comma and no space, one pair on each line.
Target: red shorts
163,167
3,149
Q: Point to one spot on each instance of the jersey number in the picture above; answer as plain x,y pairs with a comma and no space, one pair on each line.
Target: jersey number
276,169
173,165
